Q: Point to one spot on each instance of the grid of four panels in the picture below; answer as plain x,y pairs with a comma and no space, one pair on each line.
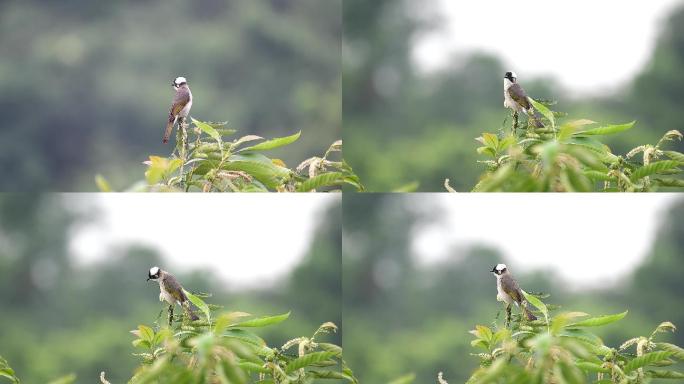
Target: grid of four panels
277,191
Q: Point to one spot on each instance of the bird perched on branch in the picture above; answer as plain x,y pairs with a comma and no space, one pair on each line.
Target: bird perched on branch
516,99
171,291
180,107
509,291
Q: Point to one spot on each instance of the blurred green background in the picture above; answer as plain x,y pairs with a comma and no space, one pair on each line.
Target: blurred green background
58,316
86,86
401,316
402,126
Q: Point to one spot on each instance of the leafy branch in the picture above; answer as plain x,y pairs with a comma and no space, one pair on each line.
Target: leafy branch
569,157
205,160
563,349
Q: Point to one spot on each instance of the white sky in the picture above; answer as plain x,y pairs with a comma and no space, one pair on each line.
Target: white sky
603,237
587,45
246,238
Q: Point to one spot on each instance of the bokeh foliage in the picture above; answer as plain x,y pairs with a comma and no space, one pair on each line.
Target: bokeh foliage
86,86
61,317
401,316
404,127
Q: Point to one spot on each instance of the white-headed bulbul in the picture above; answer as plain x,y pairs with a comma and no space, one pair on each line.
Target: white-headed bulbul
171,291
516,98
508,291
180,107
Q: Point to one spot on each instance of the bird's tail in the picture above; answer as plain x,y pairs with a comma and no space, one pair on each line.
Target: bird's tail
169,128
528,313
535,119
188,310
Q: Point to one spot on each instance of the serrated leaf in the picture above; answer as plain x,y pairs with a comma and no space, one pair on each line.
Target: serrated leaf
321,180
599,321
658,374
208,129
263,321
646,359
199,303
273,143
307,360
677,351
245,336
245,139
676,156
654,168
538,304
591,367
145,333
543,110
607,129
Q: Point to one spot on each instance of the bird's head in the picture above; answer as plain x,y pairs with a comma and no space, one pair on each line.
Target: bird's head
154,274
499,269
511,76
180,80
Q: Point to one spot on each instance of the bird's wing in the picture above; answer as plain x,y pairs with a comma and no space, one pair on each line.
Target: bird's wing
510,286
181,98
518,94
174,288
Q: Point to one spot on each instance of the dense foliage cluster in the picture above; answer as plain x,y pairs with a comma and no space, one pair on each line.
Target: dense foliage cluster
569,157
204,161
563,349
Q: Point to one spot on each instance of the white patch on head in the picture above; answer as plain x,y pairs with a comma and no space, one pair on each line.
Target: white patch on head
179,80
500,267
154,271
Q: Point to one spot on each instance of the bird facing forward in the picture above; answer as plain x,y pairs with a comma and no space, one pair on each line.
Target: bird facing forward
509,291
171,291
516,99
180,107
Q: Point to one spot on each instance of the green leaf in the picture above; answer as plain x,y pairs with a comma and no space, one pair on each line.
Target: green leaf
676,156
591,367
146,333
102,183
538,304
208,129
199,303
309,359
665,374
599,321
322,180
607,130
543,110
263,321
244,336
653,168
260,167
273,143
677,351
646,359
253,367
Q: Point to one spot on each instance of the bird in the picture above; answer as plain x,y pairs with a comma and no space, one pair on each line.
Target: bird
509,291
180,106
516,99
171,291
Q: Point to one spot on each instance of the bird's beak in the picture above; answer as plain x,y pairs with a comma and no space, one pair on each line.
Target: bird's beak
148,279
493,269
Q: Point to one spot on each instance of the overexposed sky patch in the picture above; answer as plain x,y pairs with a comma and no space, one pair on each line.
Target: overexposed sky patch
246,238
588,239
587,45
